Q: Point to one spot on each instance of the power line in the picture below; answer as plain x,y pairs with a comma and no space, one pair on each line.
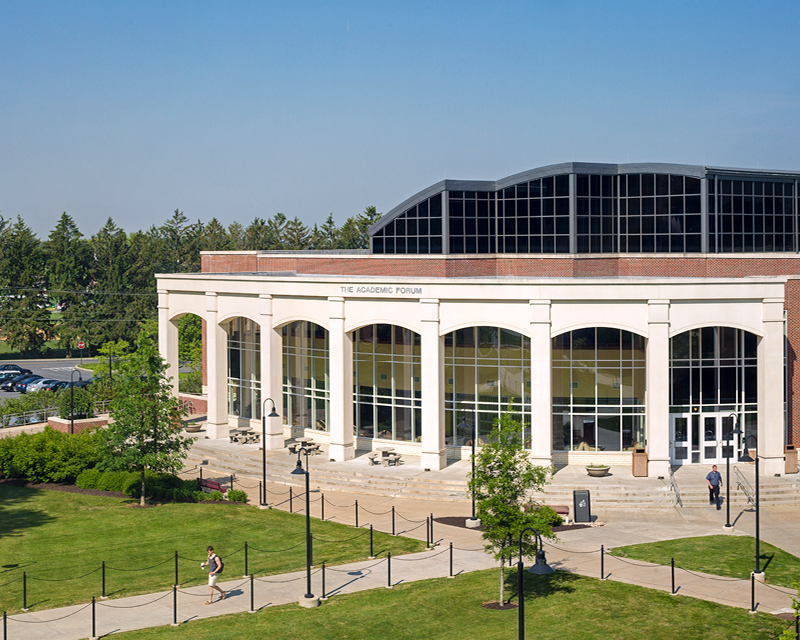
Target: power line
92,292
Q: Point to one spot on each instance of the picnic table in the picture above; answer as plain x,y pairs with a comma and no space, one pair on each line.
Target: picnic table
244,435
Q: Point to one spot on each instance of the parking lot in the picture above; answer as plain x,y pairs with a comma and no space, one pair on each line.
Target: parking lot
57,369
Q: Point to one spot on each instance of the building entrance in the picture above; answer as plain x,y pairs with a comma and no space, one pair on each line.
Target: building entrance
702,438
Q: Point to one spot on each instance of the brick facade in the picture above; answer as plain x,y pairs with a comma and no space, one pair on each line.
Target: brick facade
87,424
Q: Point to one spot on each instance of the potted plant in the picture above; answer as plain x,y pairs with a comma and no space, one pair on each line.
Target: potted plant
597,470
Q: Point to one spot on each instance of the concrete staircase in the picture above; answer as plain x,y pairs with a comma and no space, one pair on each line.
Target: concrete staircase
619,489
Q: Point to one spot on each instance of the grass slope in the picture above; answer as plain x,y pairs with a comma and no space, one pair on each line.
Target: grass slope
723,555
56,536
560,605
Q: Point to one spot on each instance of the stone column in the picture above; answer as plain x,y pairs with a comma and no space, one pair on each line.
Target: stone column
340,384
541,384
271,383
217,420
657,377
770,391
168,339
433,455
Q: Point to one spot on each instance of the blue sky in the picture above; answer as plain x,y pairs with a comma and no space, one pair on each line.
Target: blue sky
244,109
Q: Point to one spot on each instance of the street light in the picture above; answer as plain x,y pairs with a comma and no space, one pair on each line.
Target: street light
272,414
308,600
540,568
72,398
758,574
728,453
473,521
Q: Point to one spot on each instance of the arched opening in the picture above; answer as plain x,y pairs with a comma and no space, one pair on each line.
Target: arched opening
487,371
713,388
387,362
244,367
306,376
598,390
190,354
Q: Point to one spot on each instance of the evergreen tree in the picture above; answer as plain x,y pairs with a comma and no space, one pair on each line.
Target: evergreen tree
68,258
296,235
23,303
215,237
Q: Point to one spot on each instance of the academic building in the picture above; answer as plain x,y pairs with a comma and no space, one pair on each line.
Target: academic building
609,307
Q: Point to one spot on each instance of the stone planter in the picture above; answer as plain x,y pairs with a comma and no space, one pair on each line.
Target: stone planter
84,424
597,472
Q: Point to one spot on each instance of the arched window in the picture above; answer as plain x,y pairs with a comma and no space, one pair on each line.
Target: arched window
244,368
306,373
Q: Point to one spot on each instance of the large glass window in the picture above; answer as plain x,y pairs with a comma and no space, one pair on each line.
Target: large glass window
714,369
417,230
598,390
596,214
387,383
244,368
487,371
751,215
306,371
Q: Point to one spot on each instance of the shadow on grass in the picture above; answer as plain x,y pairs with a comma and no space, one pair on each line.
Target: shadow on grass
537,586
14,519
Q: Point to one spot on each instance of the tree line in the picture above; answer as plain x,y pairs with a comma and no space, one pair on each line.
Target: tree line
100,289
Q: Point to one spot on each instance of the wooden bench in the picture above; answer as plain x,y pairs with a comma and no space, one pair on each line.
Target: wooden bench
210,485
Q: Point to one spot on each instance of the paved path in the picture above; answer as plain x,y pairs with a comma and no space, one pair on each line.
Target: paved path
577,551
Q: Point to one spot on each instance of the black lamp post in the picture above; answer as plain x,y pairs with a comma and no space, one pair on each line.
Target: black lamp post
540,568
728,455
299,471
747,458
462,428
72,398
272,414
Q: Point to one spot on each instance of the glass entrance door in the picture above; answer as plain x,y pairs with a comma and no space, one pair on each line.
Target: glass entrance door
701,438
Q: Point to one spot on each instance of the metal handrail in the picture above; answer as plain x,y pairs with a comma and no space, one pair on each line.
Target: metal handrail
37,416
673,487
744,485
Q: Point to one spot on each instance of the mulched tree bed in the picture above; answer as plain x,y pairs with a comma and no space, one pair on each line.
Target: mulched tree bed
458,521
60,486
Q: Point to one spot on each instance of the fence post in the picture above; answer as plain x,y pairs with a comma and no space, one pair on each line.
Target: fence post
176,567
392,519
232,487
24,590
322,504
246,572
752,593
323,582
201,474
451,560
356,514
103,595
94,626
673,576
602,561
389,570
174,605
432,530
252,608
427,533
291,495
262,498
5,626
371,548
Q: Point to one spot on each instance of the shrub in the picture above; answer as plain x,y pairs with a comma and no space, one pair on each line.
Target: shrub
87,479
48,456
236,495
161,487
82,403
215,496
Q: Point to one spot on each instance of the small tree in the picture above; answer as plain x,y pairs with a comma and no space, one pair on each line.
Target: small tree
146,428
503,480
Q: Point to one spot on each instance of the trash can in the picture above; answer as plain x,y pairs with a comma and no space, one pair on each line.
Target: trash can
639,463
581,505
790,458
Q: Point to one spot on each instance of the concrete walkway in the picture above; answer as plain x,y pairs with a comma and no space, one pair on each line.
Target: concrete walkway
577,551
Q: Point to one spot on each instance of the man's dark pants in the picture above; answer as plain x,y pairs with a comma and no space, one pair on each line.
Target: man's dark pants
713,495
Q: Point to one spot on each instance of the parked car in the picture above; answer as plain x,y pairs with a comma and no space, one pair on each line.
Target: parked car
8,375
21,386
38,385
61,384
8,385
14,367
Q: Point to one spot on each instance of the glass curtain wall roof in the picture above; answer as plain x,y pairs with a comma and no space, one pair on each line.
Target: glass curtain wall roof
581,208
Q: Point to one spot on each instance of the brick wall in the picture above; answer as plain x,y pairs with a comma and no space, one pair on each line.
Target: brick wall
60,424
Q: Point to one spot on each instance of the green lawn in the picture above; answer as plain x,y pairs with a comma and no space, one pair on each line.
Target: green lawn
560,605
723,555
54,535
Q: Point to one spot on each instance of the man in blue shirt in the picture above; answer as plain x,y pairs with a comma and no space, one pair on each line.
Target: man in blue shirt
714,479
